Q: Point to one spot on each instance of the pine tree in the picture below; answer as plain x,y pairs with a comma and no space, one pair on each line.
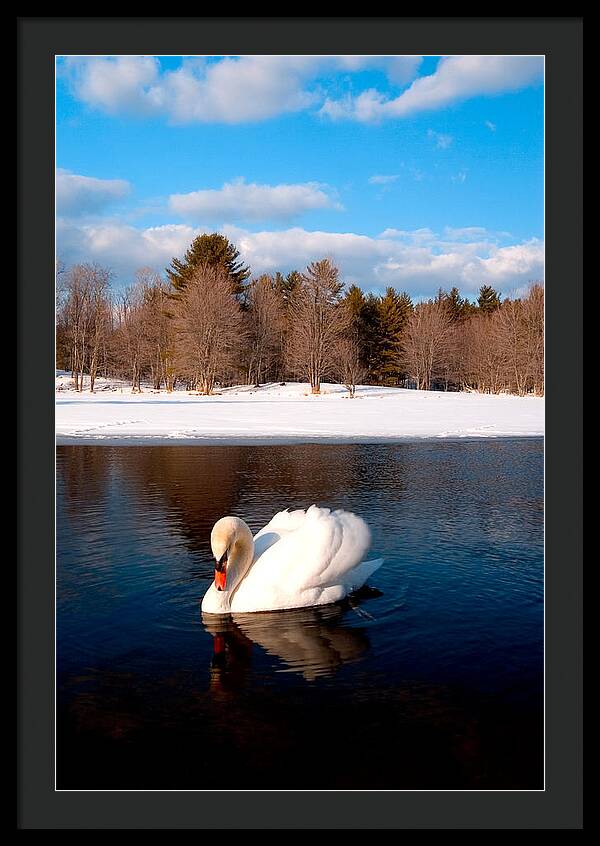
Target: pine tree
355,300
355,304
488,300
454,304
365,326
287,286
371,322
215,251
459,308
394,311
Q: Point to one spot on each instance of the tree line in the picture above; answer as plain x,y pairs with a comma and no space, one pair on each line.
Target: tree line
209,324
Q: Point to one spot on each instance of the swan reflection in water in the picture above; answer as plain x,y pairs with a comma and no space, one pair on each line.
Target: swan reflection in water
313,642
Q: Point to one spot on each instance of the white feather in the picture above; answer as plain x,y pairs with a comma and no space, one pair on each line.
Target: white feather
304,558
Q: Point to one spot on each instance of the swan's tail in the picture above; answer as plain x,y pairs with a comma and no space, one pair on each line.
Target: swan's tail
359,575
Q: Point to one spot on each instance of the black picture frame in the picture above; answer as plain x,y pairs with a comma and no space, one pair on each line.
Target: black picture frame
559,805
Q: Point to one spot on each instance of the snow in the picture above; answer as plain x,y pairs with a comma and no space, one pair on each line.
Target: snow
280,414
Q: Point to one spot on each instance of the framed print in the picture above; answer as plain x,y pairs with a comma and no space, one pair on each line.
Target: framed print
299,447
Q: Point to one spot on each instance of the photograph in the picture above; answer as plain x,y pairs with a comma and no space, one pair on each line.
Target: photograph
299,422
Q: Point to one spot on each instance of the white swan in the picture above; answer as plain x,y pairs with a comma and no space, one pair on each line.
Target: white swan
299,559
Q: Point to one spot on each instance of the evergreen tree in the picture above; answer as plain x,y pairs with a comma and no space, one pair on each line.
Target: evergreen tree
287,286
488,300
371,323
365,327
355,300
394,311
215,251
459,308
356,305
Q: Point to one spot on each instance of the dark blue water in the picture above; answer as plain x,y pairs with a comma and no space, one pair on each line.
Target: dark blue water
432,677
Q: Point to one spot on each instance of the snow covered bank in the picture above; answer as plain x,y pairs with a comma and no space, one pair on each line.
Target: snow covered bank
279,414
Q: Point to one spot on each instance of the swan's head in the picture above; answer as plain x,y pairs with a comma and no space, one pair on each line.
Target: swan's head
227,539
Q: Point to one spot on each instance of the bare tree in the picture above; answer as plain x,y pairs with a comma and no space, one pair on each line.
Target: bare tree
128,338
99,320
504,350
141,343
62,335
489,358
208,326
298,324
265,321
425,344
156,335
319,321
533,318
348,365
76,319
509,326
84,318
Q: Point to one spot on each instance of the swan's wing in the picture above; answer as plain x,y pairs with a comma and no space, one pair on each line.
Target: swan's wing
359,574
315,549
284,522
277,529
281,524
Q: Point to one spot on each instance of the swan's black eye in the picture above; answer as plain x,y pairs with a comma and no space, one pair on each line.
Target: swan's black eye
220,566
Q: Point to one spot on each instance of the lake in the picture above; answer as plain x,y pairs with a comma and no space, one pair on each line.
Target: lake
430,678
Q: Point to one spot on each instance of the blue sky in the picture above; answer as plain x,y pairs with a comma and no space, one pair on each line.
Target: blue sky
410,171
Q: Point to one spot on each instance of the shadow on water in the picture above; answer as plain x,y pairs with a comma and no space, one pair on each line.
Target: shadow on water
431,677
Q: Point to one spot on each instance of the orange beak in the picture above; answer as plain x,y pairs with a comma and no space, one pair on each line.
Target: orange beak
220,579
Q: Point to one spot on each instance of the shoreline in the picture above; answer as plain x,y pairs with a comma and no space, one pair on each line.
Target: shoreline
301,440
278,414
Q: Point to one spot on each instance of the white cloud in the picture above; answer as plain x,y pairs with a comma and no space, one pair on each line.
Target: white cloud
383,179
231,90
365,107
465,232
77,195
400,70
442,141
456,78
459,177
491,126
418,261
115,84
239,200
413,235
120,247
511,263
424,270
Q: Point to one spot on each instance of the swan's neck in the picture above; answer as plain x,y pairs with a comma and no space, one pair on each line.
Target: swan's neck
241,556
